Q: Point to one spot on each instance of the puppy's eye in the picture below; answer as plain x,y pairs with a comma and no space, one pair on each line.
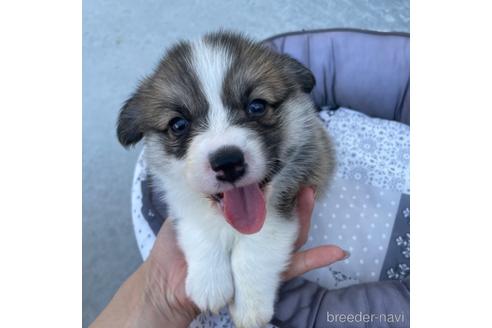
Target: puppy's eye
257,107
179,125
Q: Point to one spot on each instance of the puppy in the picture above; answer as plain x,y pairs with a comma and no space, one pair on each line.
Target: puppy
230,135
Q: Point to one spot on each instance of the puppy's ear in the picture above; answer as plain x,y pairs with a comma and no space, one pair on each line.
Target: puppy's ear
302,75
128,130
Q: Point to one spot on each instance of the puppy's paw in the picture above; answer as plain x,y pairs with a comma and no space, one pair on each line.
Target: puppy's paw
251,314
210,289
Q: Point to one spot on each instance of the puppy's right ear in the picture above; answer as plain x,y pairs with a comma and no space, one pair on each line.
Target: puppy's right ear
129,130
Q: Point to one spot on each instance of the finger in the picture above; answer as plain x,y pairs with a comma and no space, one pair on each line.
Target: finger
167,230
166,239
314,258
305,204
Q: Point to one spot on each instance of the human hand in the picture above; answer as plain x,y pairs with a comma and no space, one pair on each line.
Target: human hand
313,258
166,265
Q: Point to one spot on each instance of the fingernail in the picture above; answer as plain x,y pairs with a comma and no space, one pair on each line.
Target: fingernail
347,255
311,189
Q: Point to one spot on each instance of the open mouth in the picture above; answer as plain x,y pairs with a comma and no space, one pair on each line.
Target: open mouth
218,198
243,207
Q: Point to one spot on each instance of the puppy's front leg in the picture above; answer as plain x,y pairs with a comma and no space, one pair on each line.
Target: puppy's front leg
258,261
209,279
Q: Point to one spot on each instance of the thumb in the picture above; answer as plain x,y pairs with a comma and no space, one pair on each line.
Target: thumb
314,258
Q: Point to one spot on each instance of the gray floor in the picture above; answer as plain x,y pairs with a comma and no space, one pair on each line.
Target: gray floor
122,41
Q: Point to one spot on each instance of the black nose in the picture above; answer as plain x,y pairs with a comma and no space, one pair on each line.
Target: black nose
229,164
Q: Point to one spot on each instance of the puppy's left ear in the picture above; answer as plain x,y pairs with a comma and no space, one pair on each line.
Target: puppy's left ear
129,130
302,75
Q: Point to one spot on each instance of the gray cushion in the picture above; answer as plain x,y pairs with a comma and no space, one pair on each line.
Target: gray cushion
362,70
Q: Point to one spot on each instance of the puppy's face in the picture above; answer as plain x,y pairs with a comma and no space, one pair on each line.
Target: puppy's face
216,114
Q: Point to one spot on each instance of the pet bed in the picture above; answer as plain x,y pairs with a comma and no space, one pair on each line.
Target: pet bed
362,91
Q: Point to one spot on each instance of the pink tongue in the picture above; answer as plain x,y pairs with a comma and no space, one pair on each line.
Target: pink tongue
244,208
